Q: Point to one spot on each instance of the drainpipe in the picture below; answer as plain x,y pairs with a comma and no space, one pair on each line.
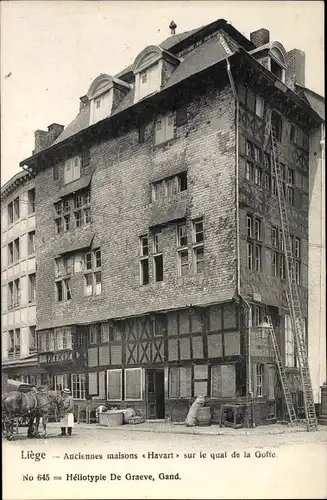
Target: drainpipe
238,258
323,251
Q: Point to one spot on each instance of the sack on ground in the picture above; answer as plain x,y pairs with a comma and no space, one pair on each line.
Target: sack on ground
191,420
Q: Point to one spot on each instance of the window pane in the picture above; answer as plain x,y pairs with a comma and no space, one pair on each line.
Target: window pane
97,277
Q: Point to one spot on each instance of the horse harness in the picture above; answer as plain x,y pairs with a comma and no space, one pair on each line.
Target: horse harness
34,409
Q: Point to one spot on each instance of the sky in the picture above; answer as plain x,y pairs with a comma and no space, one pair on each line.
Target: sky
51,51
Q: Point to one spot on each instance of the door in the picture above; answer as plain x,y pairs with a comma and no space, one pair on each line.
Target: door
155,392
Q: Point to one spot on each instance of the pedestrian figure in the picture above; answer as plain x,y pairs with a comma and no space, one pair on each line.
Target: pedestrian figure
67,421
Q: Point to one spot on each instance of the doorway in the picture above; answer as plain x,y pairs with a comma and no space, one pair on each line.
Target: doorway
155,394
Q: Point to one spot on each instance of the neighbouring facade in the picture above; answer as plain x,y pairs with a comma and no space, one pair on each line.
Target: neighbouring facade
159,248
18,279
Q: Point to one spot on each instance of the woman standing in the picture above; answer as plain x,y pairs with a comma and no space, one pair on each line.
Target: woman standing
67,421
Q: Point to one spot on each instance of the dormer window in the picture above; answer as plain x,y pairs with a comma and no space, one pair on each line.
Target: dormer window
277,60
101,96
151,67
273,56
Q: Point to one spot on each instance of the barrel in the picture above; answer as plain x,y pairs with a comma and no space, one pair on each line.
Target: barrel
203,416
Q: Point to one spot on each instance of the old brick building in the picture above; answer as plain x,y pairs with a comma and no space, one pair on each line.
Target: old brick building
159,235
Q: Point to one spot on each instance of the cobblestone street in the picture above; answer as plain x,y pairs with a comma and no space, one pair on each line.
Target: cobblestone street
222,466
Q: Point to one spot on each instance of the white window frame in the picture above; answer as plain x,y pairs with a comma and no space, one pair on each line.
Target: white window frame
120,370
31,289
259,106
93,271
17,292
167,129
31,242
257,258
249,255
274,264
257,175
143,257
72,386
32,346
63,377
290,352
260,369
141,383
72,169
181,249
157,252
197,245
104,332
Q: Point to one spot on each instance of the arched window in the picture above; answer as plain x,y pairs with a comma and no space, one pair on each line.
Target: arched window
277,60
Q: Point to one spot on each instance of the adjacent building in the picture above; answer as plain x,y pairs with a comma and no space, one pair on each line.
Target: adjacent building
159,243
18,278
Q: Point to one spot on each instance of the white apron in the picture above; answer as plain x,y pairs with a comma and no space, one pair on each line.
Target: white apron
67,420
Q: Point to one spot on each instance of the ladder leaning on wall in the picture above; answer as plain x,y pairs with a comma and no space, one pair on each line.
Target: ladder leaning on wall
282,374
292,292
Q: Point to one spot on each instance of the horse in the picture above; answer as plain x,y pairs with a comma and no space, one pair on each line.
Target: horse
32,404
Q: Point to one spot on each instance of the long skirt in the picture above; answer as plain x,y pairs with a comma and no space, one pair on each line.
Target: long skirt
67,420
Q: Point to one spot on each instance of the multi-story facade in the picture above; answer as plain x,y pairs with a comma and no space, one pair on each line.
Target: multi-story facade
159,248
18,278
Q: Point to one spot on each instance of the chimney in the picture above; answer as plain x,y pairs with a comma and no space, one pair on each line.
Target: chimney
260,37
295,71
173,27
54,131
83,101
44,139
40,141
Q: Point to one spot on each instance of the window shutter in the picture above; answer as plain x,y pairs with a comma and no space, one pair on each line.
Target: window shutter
114,385
228,381
254,380
216,386
181,117
85,157
93,383
142,134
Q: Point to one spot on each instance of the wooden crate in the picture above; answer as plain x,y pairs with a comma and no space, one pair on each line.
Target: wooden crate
111,419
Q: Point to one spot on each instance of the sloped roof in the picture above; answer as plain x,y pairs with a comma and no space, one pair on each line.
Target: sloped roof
167,44
79,123
202,57
205,55
179,37
316,101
